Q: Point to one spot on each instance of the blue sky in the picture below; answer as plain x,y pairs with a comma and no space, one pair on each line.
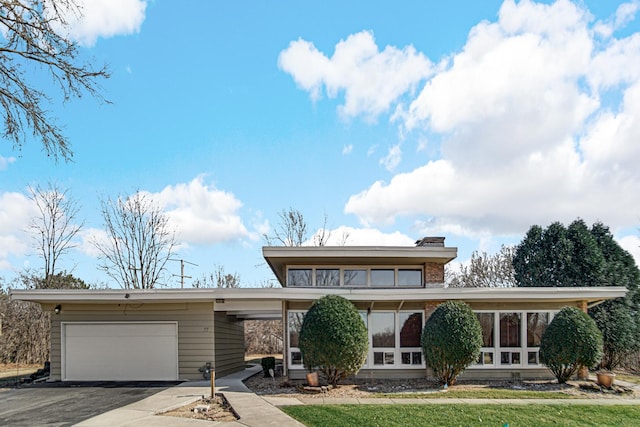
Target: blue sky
471,120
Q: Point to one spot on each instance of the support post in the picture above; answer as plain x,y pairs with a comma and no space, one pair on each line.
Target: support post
213,383
583,372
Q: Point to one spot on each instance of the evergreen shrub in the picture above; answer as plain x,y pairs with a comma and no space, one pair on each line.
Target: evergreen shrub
572,340
333,338
451,340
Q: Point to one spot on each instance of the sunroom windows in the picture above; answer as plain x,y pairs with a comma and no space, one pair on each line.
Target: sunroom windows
394,339
511,338
379,277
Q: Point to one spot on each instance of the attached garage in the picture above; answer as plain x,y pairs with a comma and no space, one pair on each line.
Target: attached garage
119,351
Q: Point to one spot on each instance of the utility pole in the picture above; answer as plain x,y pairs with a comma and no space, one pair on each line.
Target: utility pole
182,275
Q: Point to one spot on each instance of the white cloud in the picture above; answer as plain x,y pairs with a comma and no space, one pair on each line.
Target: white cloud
5,162
16,211
348,236
105,18
88,239
370,79
201,213
632,245
393,158
624,14
526,136
347,149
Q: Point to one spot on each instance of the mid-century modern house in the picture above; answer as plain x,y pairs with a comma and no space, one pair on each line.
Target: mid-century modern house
168,334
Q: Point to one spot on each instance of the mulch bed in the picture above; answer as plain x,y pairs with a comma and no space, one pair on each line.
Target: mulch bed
216,409
363,388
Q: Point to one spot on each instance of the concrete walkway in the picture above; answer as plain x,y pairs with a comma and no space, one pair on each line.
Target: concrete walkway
252,409
262,411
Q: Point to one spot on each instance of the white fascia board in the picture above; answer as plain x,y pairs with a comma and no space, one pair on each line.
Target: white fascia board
359,252
256,297
112,295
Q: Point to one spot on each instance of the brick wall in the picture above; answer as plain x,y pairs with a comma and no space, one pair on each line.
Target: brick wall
434,273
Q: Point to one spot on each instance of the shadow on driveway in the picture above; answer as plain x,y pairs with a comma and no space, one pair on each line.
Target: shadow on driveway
66,404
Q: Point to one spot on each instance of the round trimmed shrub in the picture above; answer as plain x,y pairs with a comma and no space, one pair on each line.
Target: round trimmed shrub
333,338
572,340
451,340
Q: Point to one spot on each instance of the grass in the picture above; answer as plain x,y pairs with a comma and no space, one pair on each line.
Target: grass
464,415
488,393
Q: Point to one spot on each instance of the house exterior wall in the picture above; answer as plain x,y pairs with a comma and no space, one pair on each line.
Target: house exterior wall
497,370
434,273
229,344
195,329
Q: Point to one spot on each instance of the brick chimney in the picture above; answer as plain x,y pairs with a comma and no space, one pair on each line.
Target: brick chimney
430,241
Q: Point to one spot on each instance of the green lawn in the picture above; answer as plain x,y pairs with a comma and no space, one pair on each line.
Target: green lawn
464,415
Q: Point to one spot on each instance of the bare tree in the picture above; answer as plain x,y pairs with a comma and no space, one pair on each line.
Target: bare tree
54,227
292,230
322,236
218,279
485,271
263,336
34,41
24,326
140,241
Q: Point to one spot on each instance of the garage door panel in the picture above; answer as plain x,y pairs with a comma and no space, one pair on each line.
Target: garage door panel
120,351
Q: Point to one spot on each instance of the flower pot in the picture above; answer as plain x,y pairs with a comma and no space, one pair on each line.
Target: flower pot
605,379
312,379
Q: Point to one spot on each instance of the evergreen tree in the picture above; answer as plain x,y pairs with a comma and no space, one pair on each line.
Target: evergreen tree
576,256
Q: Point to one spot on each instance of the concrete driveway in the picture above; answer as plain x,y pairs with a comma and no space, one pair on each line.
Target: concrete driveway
57,404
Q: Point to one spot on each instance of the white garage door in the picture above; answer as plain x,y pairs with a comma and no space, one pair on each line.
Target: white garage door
119,351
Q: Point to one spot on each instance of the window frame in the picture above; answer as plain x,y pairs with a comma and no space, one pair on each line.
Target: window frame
396,351
368,272
521,353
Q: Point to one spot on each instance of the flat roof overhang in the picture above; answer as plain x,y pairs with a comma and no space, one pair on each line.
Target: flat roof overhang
255,297
278,257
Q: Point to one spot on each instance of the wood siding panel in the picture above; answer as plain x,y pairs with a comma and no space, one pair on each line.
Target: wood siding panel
229,344
195,330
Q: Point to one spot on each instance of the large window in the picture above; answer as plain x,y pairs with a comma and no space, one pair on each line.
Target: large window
299,277
536,325
394,339
380,277
487,352
353,277
327,277
295,319
409,277
511,338
410,334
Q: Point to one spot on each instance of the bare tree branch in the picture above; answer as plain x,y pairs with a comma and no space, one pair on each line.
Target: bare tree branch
291,231
140,241
33,40
55,226
485,271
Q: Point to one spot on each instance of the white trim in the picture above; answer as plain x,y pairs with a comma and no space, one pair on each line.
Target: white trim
61,296
524,348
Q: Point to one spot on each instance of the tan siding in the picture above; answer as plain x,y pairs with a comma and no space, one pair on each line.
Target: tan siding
229,340
195,329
